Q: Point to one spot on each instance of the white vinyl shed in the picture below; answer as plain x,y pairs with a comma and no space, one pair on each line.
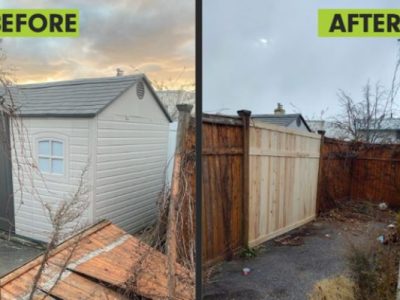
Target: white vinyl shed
115,127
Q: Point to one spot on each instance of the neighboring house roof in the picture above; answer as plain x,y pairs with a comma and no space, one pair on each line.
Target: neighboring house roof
74,98
106,263
281,120
329,127
317,125
386,124
170,98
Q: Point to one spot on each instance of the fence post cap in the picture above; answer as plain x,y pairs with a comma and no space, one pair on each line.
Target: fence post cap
321,132
184,107
244,113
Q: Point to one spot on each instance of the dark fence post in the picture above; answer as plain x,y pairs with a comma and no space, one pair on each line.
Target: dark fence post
245,115
7,218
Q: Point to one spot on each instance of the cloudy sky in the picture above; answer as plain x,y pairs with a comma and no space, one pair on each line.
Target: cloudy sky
151,36
260,52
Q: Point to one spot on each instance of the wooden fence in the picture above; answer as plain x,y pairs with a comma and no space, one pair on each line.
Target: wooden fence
258,181
283,180
262,180
358,171
222,168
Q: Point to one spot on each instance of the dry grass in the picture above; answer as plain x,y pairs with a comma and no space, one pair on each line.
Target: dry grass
373,266
374,269
336,288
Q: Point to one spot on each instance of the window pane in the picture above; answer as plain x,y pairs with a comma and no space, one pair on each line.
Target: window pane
57,166
44,148
57,149
44,165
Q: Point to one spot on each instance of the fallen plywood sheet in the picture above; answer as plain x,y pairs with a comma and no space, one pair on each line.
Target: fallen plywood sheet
102,262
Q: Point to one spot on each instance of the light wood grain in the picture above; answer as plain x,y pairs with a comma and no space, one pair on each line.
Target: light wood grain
283,180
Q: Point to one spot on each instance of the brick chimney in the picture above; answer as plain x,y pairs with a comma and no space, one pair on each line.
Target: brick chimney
279,110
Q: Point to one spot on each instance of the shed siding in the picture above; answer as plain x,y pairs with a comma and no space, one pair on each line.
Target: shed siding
132,146
33,190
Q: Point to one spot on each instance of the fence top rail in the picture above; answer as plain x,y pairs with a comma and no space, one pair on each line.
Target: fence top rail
264,125
222,119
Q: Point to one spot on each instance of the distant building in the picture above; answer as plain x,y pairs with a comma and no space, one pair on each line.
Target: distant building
386,131
328,127
170,98
280,118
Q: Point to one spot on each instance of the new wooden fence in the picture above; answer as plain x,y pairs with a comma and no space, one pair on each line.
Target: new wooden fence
359,172
283,180
259,181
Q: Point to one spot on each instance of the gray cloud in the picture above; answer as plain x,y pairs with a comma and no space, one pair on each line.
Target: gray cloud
154,36
292,65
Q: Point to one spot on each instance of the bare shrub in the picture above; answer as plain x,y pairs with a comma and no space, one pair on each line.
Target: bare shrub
158,236
68,212
374,269
365,119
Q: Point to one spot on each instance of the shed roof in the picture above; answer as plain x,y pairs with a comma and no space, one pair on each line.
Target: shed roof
105,263
74,98
281,120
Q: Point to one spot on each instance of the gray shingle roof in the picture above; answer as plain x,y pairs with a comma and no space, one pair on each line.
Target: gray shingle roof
280,120
74,98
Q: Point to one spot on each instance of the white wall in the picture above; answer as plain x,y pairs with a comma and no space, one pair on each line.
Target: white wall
132,147
126,147
173,127
33,190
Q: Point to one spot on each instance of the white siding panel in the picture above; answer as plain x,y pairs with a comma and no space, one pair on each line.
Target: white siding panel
131,162
33,190
173,128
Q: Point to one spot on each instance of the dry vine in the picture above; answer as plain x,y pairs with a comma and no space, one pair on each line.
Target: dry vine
14,139
156,235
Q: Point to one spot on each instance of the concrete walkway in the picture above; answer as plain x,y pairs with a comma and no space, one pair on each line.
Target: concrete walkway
14,254
287,272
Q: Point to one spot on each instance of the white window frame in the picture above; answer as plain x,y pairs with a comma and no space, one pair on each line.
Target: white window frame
56,138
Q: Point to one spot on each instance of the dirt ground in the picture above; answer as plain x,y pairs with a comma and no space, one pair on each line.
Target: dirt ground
288,267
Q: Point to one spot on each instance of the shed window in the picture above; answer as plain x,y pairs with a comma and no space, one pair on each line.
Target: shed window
51,156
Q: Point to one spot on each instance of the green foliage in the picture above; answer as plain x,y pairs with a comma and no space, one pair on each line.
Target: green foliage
248,252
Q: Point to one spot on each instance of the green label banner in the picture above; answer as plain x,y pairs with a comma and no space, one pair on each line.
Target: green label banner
359,22
39,22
